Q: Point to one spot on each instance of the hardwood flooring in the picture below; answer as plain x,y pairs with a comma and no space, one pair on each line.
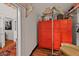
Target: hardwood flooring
9,49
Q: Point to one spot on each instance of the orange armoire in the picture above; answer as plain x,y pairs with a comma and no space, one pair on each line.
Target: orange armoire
62,32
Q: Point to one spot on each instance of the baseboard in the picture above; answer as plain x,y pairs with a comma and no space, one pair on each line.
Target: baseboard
33,50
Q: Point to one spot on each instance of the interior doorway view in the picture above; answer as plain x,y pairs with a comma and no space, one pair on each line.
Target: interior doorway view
8,29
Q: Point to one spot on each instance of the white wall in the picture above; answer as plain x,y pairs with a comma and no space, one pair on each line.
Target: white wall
77,23
6,11
78,15
41,6
29,33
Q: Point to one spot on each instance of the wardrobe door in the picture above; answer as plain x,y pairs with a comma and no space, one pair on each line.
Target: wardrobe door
63,26
45,34
56,35
66,31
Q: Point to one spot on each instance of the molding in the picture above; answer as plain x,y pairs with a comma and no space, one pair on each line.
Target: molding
10,5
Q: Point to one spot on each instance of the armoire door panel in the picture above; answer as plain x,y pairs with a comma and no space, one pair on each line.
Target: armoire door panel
56,35
45,34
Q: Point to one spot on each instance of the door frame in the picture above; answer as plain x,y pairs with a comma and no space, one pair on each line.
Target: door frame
18,40
18,45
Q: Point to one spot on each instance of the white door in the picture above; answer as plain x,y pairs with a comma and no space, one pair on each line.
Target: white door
2,33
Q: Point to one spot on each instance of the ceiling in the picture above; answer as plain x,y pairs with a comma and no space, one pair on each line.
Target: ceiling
39,7
62,6
8,11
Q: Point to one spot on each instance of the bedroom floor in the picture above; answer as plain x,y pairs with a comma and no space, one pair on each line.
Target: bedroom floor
45,52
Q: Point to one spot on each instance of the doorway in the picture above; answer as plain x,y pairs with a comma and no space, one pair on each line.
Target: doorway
10,21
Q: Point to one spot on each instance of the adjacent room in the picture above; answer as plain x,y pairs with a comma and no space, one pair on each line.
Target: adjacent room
8,30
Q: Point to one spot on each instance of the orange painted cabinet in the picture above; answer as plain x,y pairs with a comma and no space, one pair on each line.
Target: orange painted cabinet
61,30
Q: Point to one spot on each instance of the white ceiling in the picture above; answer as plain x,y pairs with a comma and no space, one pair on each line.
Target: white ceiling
41,6
8,11
62,6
